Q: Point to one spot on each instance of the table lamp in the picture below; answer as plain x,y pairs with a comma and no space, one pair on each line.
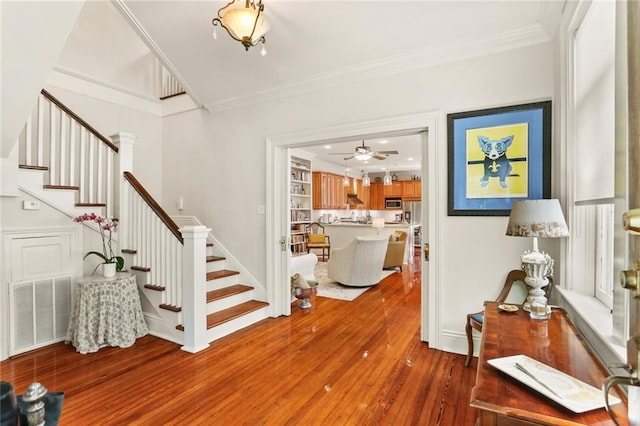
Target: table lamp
378,223
537,218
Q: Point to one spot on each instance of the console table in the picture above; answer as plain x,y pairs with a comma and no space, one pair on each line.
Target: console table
106,312
555,342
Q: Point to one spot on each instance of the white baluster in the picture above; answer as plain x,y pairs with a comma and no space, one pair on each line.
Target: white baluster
63,148
52,145
40,135
84,191
27,142
72,152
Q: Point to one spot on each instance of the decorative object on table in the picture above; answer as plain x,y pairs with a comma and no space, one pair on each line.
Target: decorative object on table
497,156
544,219
303,289
39,407
8,405
111,263
34,404
247,24
378,223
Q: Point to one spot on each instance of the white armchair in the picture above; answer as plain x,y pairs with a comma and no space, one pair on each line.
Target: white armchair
359,264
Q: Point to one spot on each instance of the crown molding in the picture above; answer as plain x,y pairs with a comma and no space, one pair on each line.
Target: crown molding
416,60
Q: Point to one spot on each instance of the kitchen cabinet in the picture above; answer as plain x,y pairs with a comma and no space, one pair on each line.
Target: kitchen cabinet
411,190
376,196
329,191
301,196
393,190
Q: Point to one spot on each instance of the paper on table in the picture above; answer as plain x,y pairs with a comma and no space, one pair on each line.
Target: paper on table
570,392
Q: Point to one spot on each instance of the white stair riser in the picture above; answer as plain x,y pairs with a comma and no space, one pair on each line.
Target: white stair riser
219,283
217,265
228,302
232,326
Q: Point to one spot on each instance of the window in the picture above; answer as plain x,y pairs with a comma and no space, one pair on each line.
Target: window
592,205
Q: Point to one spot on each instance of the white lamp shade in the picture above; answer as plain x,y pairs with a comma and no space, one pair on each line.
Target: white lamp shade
377,222
537,218
240,23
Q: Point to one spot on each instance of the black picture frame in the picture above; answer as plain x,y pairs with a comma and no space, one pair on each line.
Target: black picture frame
497,156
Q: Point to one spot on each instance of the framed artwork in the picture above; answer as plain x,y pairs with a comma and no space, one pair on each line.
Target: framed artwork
498,156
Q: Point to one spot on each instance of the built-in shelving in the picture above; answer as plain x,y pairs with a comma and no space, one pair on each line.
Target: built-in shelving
301,202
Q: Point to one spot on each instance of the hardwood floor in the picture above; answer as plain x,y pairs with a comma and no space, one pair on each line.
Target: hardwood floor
337,363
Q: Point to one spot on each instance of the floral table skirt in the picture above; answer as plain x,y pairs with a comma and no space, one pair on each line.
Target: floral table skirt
106,312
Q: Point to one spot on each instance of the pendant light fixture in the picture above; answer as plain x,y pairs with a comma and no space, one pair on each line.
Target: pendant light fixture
246,24
345,180
366,180
386,180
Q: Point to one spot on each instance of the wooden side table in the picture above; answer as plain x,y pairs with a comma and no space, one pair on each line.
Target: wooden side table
555,342
106,312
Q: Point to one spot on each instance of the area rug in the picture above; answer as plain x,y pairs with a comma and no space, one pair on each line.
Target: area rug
333,290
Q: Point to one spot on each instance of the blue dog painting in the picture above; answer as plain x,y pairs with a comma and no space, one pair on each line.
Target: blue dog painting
496,163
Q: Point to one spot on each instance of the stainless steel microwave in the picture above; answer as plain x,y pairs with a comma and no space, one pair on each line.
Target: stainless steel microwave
393,203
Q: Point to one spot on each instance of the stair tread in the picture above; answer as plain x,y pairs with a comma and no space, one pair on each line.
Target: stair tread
227,291
215,258
65,187
220,274
234,312
141,268
28,167
91,205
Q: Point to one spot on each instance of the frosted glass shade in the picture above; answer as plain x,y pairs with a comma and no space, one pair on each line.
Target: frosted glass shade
240,23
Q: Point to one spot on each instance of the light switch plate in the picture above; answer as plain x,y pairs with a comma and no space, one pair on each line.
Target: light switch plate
31,205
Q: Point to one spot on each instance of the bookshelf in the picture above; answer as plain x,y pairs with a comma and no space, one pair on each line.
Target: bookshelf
301,201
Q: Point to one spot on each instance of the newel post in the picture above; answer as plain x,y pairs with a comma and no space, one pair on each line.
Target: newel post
123,163
194,288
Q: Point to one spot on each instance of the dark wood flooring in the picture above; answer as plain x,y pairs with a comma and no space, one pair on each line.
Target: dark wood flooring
337,363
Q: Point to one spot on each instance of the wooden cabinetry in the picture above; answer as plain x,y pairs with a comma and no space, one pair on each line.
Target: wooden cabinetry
411,190
376,196
393,190
301,202
329,192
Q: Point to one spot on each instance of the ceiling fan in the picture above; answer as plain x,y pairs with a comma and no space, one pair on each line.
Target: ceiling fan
364,153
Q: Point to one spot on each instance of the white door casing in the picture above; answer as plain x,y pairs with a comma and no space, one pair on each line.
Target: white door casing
277,214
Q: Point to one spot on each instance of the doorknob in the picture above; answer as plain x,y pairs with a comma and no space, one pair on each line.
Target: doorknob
426,252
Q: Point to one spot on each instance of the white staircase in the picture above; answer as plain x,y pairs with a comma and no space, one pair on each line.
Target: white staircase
190,293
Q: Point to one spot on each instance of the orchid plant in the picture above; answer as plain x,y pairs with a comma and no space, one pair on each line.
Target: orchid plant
106,228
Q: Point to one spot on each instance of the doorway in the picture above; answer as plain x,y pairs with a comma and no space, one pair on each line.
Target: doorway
277,218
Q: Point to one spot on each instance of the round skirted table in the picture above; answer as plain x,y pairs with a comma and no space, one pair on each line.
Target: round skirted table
106,312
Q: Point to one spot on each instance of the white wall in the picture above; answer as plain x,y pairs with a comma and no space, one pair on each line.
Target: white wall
224,156
27,57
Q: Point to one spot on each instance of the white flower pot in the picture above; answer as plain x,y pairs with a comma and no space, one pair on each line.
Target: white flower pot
109,270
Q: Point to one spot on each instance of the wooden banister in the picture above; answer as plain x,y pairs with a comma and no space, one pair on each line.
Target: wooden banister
83,123
152,203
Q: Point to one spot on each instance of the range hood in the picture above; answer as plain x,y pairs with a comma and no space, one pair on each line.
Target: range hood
352,199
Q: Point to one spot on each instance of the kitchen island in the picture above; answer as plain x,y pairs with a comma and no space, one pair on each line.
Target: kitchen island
342,233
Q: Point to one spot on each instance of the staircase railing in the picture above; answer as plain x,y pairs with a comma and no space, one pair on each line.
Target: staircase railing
175,258
169,86
73,154
157,239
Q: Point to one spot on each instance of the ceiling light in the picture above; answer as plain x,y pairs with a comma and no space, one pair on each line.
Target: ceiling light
246,24
363,156
366,180
386,180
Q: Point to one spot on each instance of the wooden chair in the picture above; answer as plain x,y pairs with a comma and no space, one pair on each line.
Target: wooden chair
315,238
514,291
